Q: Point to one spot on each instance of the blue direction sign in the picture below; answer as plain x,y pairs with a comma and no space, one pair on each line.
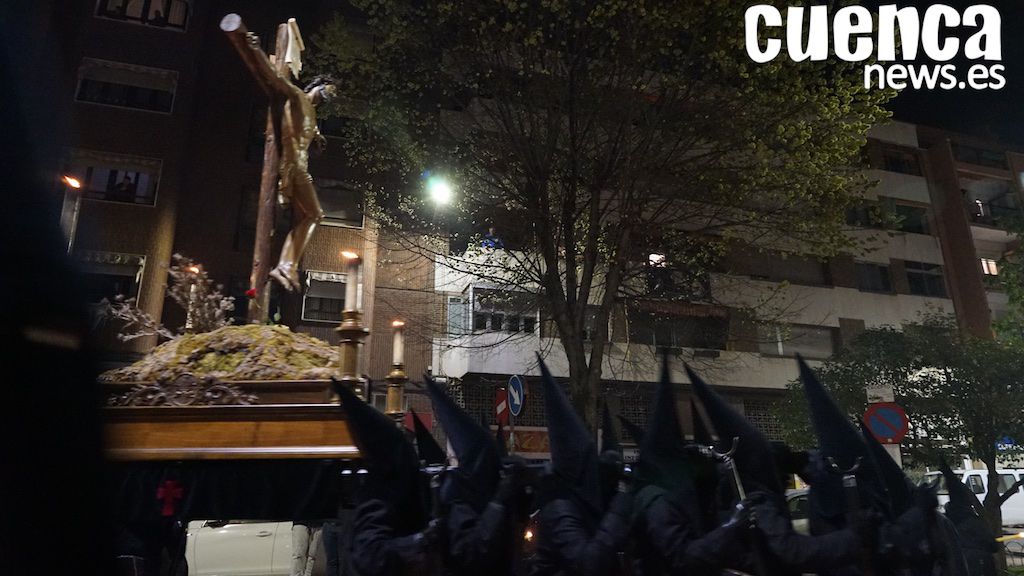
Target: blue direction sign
516,395
887,422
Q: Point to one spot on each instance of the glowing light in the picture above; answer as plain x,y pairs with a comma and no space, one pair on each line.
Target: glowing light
72,182
439,190
193,269
397,324
349,255
528,536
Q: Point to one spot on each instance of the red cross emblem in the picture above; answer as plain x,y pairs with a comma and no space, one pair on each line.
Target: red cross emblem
169,493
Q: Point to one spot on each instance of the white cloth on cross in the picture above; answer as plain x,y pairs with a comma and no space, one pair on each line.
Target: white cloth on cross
293,53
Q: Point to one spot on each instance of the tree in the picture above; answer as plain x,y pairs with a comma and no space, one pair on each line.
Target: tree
596,136
963,394
206,307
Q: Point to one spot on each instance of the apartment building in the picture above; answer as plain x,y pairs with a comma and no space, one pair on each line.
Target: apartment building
946,191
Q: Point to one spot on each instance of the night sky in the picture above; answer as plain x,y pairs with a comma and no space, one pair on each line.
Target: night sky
992,113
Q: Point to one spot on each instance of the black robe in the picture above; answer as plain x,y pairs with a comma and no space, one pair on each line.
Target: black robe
573,541
379,549
481,542
826,553
670,538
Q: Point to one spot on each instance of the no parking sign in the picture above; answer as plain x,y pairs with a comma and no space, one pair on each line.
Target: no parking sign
887,422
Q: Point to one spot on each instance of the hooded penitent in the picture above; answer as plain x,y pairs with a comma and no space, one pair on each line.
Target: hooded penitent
663,459
574,457
841,447
429,450
899,487
753,456
609,439
392,461
474,447
632,428
963,503
701,436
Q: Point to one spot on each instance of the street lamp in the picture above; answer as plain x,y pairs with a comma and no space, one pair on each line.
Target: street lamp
439,190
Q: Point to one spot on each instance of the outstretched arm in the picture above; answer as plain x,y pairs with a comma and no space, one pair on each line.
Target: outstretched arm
248,47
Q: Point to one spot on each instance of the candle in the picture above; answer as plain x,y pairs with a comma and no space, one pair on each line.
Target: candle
352,262
398,349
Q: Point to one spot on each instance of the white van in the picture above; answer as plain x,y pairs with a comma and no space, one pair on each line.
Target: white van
977,481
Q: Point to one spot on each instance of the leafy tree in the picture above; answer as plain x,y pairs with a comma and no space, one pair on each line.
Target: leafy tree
1011,280
594,134
963,395
190,288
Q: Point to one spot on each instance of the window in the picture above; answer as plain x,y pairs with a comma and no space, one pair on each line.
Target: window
777,267
458,315
863,216
912,219
342,204
161,13
115,177
503,311
706,332
324,299
900,160
979,156
989,267
793,339
873,277
126,85
975,483
110,274
1006,482
925,279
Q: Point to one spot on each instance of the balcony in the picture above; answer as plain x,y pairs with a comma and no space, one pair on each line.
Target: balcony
989,213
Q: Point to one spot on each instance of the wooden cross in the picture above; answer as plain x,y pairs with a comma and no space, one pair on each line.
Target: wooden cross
239,36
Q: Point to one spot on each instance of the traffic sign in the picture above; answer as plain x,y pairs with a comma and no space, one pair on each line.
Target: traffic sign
516,395
887,422
501,406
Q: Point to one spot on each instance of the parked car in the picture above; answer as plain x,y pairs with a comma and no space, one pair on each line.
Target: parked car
977,481
239,548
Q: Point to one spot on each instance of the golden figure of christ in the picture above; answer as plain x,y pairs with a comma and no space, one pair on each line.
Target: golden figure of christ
293,116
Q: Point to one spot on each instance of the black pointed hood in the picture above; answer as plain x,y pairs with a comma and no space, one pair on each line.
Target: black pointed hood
430,452
700,432
391,459
573,453
899,487
839,441
963,504
663,460
609,439
473,445
632,429
753,456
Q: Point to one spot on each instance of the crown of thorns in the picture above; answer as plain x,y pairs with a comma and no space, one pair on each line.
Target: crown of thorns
321,80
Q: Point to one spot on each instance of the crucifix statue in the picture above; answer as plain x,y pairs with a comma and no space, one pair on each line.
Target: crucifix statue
291,128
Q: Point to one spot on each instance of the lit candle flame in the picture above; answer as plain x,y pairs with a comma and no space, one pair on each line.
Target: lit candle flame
193,269
72,182
528,536
349,255
397,324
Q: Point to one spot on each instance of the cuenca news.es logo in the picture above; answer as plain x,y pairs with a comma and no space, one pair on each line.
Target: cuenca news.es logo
857,37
